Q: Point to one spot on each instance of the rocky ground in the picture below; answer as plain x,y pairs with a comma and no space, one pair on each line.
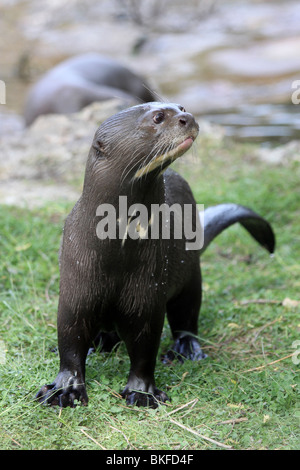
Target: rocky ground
43,163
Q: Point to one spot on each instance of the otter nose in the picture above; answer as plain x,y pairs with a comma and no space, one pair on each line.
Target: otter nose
186,119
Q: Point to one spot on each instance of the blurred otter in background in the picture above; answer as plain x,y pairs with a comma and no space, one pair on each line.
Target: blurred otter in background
80,81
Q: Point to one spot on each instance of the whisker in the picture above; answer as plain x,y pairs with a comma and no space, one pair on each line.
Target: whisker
159,150
127,169
155,93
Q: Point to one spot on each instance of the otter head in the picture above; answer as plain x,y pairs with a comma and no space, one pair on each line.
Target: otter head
144,140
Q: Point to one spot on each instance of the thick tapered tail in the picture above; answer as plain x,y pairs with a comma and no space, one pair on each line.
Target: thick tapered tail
218,218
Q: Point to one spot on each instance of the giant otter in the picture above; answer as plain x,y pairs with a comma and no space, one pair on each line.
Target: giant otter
116,282
81,80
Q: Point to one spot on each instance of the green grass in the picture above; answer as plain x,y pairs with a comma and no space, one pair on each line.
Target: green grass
220,397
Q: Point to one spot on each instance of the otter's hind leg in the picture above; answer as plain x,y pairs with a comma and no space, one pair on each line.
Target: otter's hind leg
183,313
105,341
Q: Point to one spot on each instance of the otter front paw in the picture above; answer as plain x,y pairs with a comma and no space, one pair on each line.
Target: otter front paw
150,400
63,392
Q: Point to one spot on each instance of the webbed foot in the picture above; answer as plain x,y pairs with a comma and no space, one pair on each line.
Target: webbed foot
64,391
139,398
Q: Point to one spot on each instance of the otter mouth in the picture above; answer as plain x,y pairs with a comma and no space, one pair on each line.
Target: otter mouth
165,159
181,148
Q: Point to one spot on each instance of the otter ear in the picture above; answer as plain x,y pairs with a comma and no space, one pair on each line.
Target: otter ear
98,146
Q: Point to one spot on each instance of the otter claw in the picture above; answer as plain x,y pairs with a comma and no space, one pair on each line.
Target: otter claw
65,391
150,400
185,347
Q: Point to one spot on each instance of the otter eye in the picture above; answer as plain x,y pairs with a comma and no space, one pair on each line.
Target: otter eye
182,109
158,117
